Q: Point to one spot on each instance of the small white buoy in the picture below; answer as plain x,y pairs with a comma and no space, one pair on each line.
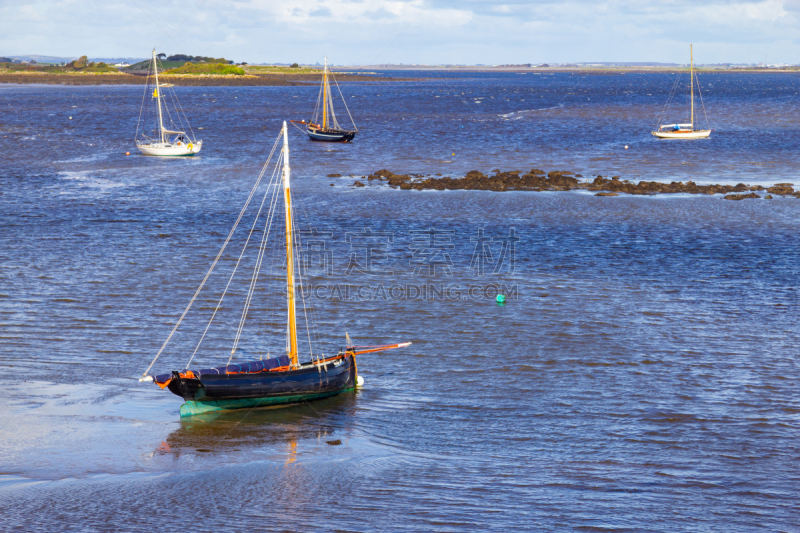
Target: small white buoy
626,146
70,118
359,381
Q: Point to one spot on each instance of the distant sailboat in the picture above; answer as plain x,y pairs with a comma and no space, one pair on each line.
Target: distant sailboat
327,129
154,138
684,131
269,381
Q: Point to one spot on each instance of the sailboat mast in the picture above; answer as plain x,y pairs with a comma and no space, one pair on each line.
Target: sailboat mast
691,79
158,99
290,299
325,96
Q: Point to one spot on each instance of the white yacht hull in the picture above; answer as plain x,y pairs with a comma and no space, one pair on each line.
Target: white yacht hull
170,150
694,134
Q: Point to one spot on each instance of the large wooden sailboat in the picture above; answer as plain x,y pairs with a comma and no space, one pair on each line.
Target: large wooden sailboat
323,126
154,138
684,131
275,380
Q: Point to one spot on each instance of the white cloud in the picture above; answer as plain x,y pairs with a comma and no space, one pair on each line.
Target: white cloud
354,31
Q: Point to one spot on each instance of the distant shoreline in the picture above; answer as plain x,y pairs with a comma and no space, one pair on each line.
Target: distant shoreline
260,80
349,74
580,70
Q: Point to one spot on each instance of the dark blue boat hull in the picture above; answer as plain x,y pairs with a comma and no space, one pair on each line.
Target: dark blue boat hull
235,391
331,136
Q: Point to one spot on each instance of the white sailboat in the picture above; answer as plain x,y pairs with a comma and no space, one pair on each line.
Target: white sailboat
684,131
154,138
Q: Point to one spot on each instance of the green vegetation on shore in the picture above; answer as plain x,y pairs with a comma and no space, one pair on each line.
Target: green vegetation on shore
79,66
262,69
142,66
177,61
213,69
197,59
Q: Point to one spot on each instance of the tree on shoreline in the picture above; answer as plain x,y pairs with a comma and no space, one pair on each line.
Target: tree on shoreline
200,59
81,62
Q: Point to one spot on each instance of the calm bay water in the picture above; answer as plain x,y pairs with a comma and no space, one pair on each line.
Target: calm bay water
643,375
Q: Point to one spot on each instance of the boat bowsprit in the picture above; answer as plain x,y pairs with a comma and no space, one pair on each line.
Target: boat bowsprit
272,380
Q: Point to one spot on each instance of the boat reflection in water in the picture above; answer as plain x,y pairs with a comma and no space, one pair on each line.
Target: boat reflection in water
263,433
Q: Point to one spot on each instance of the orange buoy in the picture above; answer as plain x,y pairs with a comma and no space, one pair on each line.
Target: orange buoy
127,153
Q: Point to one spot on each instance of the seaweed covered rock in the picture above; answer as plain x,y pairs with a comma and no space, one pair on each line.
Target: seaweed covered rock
741,196
562,180
781,188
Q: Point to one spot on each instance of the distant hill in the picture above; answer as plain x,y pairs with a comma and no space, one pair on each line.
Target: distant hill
114,60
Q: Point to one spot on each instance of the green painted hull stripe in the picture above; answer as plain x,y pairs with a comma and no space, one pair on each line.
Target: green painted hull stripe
195,408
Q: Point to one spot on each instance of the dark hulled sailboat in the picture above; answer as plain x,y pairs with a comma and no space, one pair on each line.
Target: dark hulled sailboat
327,129
276,380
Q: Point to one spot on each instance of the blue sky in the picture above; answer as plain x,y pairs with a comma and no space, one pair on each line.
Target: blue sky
444,31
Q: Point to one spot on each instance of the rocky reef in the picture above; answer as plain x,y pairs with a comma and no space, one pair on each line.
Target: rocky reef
561,180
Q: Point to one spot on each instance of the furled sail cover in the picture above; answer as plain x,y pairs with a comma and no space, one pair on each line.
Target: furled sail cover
162,380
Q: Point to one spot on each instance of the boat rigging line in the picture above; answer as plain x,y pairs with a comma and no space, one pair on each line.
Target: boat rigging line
404,29
259,258
353,122
669,99
169,35
213,264
702,104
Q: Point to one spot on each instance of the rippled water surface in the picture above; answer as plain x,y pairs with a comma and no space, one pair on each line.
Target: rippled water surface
642,375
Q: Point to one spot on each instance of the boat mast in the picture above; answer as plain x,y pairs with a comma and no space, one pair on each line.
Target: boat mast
287,200
158,99
691,80
325,96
